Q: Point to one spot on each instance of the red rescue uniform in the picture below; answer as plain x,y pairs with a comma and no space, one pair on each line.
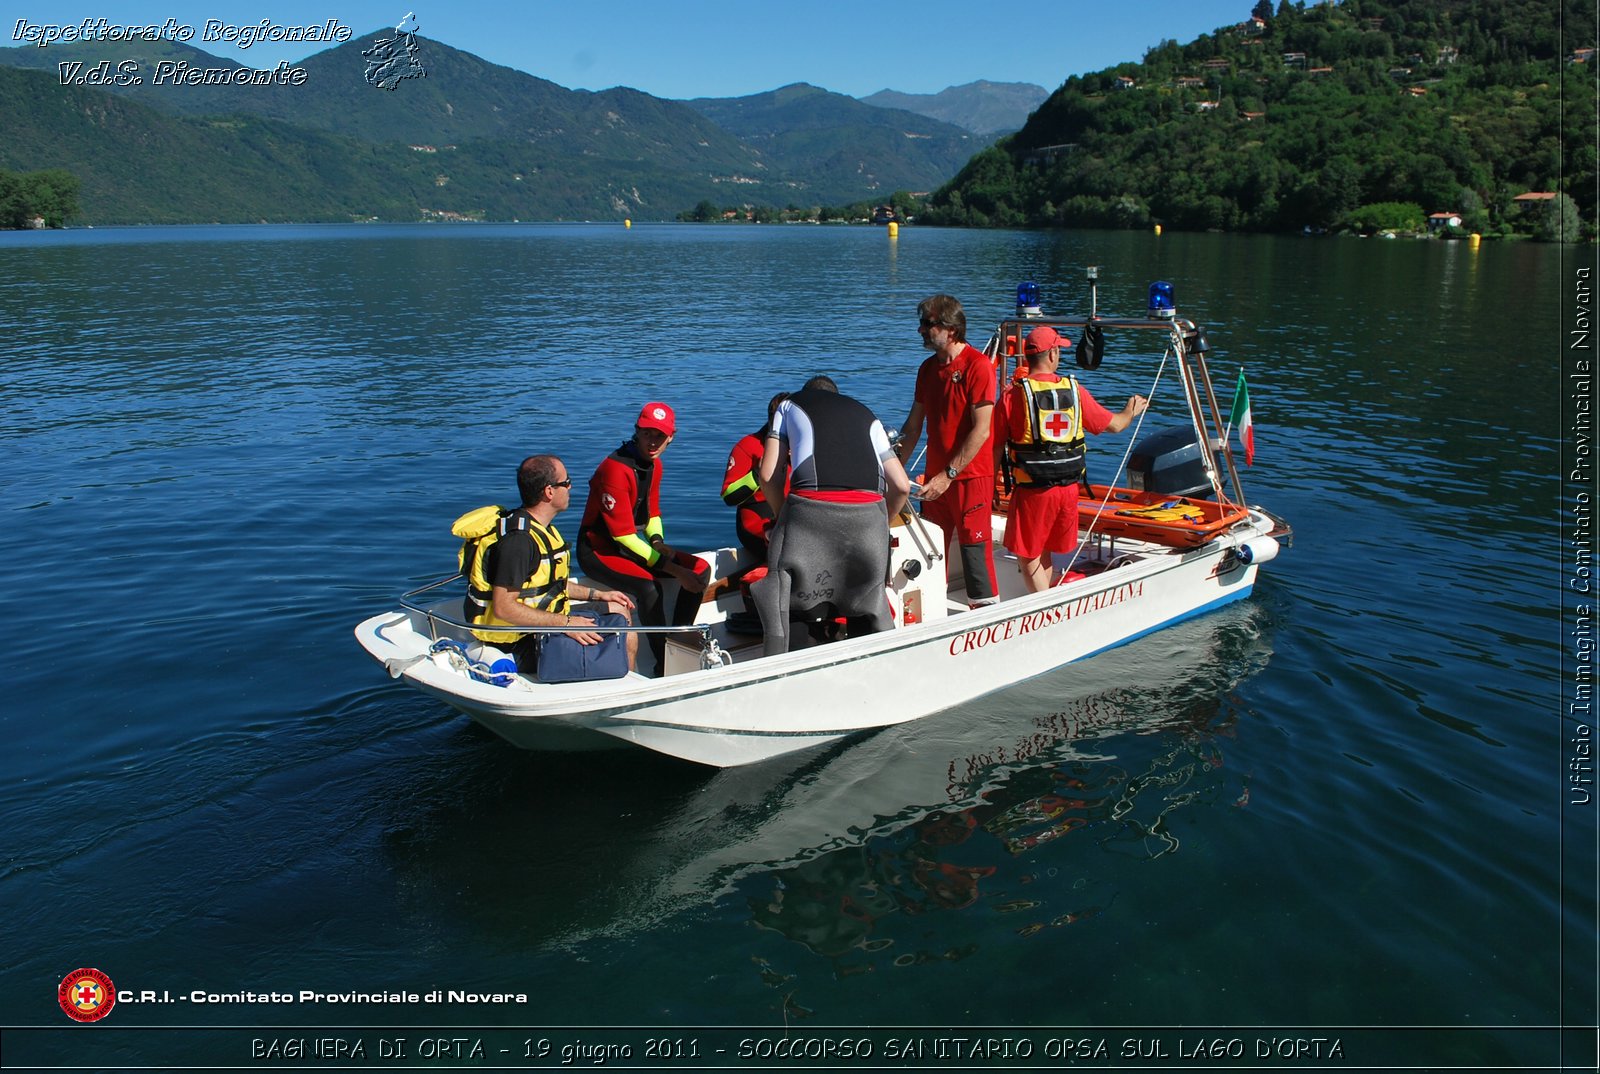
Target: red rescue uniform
741,491
1043,519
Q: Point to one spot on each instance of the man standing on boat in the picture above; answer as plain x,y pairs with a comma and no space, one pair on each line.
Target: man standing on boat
621,541
1039,427
829,553
955,395
523,576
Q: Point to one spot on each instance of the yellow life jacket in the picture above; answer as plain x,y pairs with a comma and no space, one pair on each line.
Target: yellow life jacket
545,587
1170,511
1051,449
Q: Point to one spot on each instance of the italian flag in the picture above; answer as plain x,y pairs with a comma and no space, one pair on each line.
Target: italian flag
1240,417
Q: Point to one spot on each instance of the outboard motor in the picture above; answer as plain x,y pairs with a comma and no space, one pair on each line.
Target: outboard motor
1169,462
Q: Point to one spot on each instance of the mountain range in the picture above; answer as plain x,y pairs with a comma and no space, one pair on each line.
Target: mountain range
987,109
469,139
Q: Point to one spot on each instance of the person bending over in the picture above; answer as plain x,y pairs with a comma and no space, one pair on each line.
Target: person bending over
829,554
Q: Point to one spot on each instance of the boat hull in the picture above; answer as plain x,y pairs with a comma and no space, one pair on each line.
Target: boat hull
763,708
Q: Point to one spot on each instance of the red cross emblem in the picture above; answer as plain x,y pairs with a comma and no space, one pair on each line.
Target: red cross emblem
1058,424
86,995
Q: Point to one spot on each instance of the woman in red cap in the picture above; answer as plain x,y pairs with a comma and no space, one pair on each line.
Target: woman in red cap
621,541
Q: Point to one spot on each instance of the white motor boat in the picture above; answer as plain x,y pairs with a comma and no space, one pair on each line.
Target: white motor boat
1148,558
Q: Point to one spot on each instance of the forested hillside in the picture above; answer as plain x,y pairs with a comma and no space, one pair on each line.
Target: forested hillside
837,142
1300,116
472,139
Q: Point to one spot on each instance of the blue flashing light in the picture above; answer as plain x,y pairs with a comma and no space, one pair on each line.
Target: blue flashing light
1028,297
1161,301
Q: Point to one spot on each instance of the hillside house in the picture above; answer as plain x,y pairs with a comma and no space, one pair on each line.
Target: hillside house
1123,82
1533,199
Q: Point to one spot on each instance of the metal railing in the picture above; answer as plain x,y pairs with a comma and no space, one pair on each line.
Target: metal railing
1199,394
436,618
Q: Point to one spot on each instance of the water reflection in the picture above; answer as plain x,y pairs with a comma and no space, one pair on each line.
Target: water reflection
1019,849
837,849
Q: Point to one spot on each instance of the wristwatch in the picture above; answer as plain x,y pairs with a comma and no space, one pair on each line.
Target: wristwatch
950,472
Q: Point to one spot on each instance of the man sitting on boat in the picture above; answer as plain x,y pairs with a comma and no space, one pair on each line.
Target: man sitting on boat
829,553
622,542
519,573
1039,442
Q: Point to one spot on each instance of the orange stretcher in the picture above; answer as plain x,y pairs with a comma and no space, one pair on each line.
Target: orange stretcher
1160,518
1157,517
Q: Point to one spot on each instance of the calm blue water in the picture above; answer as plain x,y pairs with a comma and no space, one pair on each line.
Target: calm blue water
1339,804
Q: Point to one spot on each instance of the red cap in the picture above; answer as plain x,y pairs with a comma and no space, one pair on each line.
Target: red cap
658,416
1044,337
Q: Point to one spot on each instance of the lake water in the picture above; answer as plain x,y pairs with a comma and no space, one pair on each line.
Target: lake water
1336,811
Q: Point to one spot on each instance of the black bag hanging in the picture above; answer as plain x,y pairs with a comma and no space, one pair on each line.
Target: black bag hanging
1091,346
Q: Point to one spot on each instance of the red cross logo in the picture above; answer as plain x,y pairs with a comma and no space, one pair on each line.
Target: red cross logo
1058,424
86,995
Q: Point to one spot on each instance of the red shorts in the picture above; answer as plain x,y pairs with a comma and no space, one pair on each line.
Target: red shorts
963,511
1042,520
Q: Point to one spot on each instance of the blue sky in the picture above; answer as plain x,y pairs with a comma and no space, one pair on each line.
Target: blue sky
723,48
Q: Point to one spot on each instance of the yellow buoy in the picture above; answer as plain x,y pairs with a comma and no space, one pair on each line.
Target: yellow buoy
1158,229
627,223
894,230
1474,239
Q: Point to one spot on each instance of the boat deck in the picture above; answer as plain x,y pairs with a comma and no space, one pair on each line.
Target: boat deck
1097,554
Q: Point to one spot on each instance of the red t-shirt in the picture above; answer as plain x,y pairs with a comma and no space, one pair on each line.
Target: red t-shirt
947,394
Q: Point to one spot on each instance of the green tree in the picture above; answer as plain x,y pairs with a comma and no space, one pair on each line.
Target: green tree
1386,216
51,195
1558,221
11,208
55,193
1474,217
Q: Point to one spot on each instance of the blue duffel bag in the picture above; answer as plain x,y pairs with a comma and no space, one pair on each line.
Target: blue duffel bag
561,659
